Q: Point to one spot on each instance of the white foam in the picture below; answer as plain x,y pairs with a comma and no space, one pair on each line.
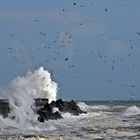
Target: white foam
21,93
91,108
55,109
100,107
131,111
83,106
36,84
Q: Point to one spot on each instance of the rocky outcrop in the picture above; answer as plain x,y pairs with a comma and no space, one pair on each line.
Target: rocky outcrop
46,112
65,106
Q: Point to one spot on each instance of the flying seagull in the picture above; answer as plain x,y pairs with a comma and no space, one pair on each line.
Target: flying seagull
66,59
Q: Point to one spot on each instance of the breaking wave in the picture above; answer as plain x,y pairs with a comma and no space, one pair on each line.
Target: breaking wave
131,111
22,91
83,106
90,108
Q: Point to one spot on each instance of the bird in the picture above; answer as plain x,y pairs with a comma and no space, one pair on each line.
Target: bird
36,20
138,33
100,55
81,23
52,73
11,35
132,96
106,9
113,67
113,61
132,86
66,59
22,39
63,10
31,57
74,3
10,48
71,66
132,47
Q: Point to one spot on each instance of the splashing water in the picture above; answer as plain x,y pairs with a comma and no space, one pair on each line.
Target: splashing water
22,91
131,111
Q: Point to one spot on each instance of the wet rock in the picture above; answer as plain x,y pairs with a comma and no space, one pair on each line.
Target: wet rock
40,101
57,115
70,107
4,108
41,119
46,112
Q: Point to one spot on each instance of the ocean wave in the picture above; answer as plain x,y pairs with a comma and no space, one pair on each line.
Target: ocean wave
132,111
83,106
91,108
21,93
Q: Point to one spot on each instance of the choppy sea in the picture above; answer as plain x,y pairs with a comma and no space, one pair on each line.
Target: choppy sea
105,120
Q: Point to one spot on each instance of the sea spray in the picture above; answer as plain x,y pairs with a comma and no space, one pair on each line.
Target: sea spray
22,91
132,111
36,84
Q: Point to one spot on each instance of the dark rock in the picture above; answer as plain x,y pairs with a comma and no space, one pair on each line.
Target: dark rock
40,101
46,111
60,105
59,101
4,108
58,115
73,108
70,107
47,107
53,103
40,119
43,115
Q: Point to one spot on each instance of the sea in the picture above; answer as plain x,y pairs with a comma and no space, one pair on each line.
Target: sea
105,120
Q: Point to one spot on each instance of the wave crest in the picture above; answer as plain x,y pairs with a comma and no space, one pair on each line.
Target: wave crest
131,111
22,91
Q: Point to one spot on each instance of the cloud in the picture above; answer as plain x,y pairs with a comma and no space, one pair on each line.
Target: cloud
71,19
118,48
50,15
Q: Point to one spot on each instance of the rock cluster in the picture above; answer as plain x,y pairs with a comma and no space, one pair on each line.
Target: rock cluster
46,112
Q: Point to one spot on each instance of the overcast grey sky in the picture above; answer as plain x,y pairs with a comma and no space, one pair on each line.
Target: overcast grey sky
91,46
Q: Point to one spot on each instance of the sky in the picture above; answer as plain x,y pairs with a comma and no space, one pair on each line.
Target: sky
91,47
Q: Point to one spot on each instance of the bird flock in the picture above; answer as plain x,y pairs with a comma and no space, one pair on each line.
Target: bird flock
62,42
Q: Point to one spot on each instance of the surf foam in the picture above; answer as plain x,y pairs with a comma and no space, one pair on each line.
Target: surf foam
131,111
22,91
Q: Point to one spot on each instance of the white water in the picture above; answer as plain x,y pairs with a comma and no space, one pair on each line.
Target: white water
83,106
95,124
21,93
131,111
